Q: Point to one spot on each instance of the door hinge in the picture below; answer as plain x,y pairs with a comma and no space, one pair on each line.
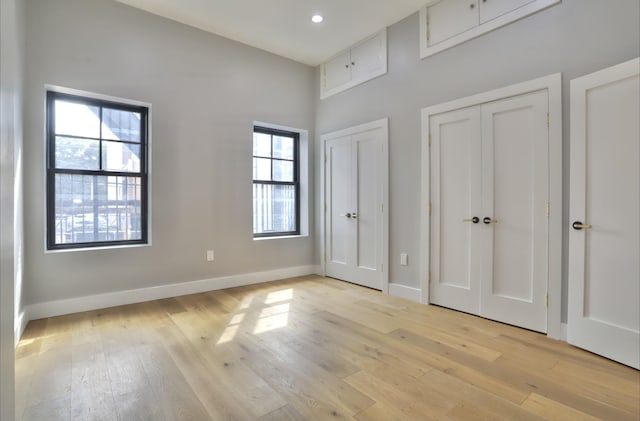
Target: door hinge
381,267
548,209
546,301
429,278
325,158
325,257
548,124
325,207
429,140
429,210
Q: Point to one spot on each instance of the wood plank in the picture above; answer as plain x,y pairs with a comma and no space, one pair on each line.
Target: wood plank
309,348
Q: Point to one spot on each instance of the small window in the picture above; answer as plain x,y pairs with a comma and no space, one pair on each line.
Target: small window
96,172
276,186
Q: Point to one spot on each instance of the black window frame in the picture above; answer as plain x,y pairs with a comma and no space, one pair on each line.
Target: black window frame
296,176
143,174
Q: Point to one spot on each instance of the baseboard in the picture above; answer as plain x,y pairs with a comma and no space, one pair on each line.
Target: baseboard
563,332
403,291
113,299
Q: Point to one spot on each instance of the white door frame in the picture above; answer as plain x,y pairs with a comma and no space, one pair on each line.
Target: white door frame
384,168
553,84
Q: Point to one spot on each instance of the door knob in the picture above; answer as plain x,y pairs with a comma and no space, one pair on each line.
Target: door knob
578,226
354,215
347,215
488,220
475,220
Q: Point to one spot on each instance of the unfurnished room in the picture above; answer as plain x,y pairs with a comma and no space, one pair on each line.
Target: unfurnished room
301,210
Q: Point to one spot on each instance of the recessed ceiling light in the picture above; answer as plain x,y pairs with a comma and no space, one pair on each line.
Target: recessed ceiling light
317,19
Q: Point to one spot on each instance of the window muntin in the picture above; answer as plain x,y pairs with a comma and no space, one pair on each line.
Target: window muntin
96,172
276,186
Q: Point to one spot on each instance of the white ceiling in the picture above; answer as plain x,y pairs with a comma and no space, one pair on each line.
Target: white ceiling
284,27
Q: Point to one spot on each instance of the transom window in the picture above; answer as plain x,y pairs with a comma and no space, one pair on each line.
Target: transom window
276,187
96,172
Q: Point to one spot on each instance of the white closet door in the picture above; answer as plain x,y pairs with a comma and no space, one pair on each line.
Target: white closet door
604,241
449,18
367,217
354,195
339,228
515,145
455,201
337,71
369,57
491,9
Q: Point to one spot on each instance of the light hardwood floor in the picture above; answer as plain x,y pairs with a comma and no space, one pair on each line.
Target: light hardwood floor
307,349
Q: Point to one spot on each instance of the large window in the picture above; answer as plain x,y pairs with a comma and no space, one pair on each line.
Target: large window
96,172
276,186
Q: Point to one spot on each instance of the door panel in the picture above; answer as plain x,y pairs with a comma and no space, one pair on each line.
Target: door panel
448,18
339,228
368,57
366,149
337,71
515,194
491,9
604,268
455,197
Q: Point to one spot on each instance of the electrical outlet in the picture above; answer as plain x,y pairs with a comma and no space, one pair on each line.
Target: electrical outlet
404,259
209,255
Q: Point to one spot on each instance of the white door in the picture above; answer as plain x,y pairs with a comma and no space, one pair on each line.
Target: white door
448,18
368,57
456,202
489,195
515,192
354,196
337,71
604,240
491,9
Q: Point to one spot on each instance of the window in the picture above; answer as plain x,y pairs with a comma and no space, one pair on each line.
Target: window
96,172
276,186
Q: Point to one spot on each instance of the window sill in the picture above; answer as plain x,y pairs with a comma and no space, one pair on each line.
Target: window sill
280,237
123,246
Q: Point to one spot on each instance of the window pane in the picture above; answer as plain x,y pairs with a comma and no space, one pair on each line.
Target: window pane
282,147
117,156
261,144
77,154
97,208
261,169
75,119
282,170
274,208
120,125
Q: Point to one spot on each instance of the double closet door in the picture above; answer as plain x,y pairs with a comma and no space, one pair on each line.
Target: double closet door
354,196
489,176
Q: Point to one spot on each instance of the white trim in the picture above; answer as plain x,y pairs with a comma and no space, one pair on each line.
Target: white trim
563,332
354,82
384,247
403,291
482,28
553,84
118,298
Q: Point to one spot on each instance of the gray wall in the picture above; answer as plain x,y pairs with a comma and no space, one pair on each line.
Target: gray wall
575,37
11,60
205,91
